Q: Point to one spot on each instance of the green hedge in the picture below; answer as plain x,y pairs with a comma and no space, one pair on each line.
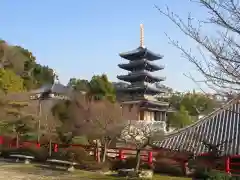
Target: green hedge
40,154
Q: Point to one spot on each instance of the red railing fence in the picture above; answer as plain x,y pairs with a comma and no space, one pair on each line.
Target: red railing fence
232,164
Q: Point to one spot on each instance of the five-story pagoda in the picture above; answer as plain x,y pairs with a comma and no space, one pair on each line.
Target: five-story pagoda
141,92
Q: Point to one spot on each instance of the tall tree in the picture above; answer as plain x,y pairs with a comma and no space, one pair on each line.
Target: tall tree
23,63
220,50
100,87
10,82
12,58
42,75
79,84
188,108
180,118
194,103
20,122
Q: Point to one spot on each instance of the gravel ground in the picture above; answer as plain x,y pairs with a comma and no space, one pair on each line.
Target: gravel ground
9,171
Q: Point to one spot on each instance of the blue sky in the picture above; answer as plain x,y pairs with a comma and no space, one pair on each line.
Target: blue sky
81,38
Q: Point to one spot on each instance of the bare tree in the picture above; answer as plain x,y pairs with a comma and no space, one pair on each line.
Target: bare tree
220,53
101,121
50,125
141,134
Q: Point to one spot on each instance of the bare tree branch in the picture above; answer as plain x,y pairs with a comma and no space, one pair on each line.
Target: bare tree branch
219,61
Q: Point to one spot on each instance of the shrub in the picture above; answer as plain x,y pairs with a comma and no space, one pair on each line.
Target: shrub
6,141
80,140
168,166
78,154
203,173
117,164
60,155
92,165
128,163
40,154
6,152
146,166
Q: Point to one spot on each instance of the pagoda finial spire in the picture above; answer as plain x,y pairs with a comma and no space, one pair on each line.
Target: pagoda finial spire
141,35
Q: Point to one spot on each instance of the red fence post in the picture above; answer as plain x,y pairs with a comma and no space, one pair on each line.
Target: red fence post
55,147
1,140
227,164
150,157
120,155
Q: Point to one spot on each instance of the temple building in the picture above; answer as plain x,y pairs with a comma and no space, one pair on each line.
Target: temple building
219,129
140,90
56,91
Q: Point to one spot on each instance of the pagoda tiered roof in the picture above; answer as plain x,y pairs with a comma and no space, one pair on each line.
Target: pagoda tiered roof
141,64
222,125
141,88
148,104
140,76
140,53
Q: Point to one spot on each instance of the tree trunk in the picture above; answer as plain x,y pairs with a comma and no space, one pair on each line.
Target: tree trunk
50,148
39,120
138,158
17,140
97,151
104,152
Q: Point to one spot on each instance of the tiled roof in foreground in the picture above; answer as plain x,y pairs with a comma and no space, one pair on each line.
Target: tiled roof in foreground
219,126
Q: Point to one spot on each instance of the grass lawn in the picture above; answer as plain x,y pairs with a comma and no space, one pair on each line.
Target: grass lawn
63,175
92,175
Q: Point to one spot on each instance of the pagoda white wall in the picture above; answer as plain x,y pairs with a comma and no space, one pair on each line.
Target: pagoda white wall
148,116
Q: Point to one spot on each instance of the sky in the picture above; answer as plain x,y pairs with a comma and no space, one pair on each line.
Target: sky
81,38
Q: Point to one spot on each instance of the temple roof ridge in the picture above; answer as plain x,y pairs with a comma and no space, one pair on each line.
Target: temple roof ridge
141,51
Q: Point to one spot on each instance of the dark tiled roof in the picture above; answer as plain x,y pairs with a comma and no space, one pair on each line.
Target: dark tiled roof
140,52
54,88
141,63
141,88
219,126
140,76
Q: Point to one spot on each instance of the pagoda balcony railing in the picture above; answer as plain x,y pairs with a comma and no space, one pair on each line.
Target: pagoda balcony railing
138,72
143,84
134,97
137,97
150,97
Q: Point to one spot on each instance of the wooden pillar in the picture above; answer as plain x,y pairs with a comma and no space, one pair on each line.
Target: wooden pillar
55,147
227,164
1,140
150,158
165,116
141,115
185,167
120,155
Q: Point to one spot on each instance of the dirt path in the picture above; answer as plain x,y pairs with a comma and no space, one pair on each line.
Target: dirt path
9,172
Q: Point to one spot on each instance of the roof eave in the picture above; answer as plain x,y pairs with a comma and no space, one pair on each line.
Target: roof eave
154,56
